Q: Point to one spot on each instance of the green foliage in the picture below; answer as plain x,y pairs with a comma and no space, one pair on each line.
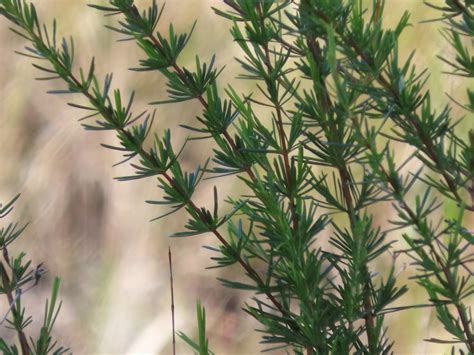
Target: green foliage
334,101
17,277
202,346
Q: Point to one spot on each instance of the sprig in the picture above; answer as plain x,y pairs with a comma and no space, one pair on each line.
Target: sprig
17,278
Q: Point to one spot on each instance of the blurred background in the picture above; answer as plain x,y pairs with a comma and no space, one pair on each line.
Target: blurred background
94,232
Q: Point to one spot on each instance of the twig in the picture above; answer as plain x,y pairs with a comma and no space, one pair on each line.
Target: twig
172,301
377,11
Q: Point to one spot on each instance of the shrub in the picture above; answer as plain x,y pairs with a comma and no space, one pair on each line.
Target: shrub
315,146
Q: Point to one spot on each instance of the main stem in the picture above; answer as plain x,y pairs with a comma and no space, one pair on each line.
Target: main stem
281,133
346,180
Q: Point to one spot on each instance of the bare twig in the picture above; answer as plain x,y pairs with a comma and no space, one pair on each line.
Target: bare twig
172,301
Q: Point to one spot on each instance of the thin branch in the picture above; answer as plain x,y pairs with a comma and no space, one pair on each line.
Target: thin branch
172,301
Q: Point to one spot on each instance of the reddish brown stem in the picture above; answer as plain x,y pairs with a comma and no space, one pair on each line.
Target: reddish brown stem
204,103
377,9
325,99
282,135
345,183
459,5
172,301
250,271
